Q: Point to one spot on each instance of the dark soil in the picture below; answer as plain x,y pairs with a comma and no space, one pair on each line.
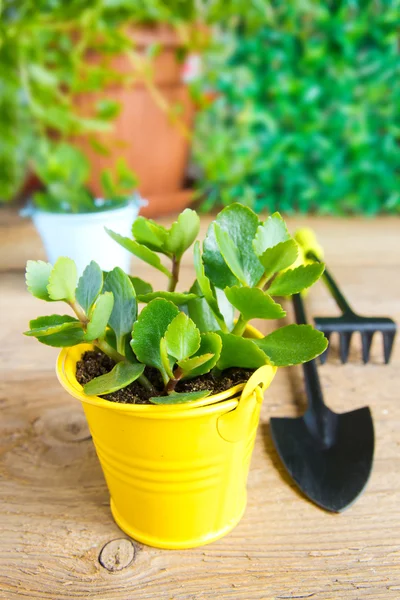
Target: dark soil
95,363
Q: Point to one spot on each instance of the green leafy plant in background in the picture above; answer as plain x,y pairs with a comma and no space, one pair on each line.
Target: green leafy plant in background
306,115
243,264
64,172
44,66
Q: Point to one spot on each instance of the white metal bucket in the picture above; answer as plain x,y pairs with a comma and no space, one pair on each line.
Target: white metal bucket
82,236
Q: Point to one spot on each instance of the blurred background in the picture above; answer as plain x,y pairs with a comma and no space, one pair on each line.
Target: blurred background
289,106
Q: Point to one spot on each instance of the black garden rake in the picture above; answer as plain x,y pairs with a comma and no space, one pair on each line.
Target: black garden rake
349,322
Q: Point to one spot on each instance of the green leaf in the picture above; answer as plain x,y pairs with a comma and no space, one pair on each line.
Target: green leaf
62,280
149,329
51,324
182,337
190,364
167,361
108,184
272,232
230,253
141,286
205,285
279,257
37,278
226,308
89,286
99,317
67,338
253,303
121,375
177,298
210,346
180,398
124,311
127,179
239,352
183,232
200,312
149,233
128,352
241,225
293,345
202,315
42,76
111,339
145,254
295,280
57,330
107,109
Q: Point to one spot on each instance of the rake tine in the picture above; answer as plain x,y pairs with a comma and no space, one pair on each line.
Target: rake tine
323,357
344,345
388,339
366,339
349,321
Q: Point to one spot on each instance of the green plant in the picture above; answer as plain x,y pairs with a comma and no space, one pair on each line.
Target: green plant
307,109
64,172
45,64
244,263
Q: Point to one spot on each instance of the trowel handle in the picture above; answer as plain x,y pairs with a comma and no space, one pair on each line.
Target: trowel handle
313,387
335,291
313,251
320,420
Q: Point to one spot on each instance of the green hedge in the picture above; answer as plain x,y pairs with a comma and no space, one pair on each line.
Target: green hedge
307,109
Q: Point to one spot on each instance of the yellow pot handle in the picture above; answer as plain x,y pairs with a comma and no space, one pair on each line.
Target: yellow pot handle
307,239
234,425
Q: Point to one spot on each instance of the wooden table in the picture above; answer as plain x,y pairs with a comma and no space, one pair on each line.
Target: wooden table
55,518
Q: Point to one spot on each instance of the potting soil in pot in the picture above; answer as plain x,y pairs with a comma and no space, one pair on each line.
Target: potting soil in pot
95,363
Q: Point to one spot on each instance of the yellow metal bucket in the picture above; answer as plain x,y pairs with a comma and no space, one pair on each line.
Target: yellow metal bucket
177,474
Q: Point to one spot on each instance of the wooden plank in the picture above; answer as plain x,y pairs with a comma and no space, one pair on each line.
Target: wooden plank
54,513
355,241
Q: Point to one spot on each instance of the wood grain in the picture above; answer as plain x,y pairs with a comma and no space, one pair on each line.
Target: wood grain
54,515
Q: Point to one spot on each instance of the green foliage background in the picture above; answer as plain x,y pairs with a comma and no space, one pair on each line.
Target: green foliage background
44,46
307,109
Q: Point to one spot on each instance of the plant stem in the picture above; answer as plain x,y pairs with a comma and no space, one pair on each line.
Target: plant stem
240,326
172,383
215,372
269,282
263,281
176,263
222,324
109,350
142,379
80,313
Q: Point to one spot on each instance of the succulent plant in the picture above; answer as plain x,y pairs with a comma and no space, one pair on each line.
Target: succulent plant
244,263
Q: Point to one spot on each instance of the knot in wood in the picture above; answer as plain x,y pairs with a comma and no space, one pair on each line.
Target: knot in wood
117,554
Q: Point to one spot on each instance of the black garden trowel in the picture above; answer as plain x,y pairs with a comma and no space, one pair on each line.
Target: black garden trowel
328,455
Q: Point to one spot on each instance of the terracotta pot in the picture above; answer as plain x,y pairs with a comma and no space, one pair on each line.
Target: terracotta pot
164,204
143,134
